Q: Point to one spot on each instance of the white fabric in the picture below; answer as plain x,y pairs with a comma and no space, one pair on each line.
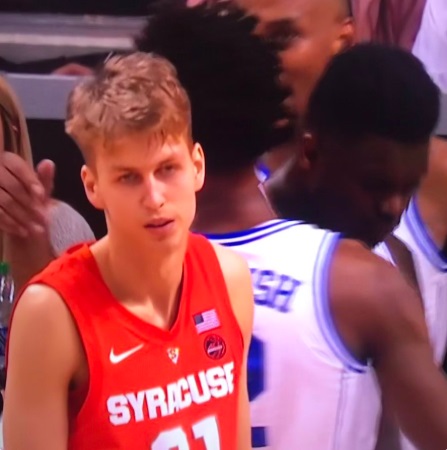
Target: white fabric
67,228
431,41
307,391
431,270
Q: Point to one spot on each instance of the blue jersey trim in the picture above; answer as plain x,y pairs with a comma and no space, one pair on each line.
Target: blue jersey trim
238,234
418,230
253,234
323,311
258,437
262,172
238,242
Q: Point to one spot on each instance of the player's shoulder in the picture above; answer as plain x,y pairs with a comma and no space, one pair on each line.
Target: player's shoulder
369,273
234,266
238,281
40,315
363,281
42,325
41,302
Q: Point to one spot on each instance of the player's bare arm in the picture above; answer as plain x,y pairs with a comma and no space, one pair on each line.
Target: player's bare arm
388,436
385,320
45,354
240,289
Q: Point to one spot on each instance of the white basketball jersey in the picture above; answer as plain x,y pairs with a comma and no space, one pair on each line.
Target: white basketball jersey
431,270
306,390
430,45
383,251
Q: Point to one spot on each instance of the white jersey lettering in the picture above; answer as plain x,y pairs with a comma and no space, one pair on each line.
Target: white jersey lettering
136,402
149,404
118,410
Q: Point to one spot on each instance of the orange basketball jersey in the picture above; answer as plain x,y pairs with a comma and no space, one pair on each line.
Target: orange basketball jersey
151,389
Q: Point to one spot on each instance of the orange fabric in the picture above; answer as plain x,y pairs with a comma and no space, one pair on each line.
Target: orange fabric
152,389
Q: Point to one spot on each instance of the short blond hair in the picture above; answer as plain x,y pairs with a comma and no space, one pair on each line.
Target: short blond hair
131,93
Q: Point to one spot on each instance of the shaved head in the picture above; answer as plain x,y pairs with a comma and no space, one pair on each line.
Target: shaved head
308,33
344,7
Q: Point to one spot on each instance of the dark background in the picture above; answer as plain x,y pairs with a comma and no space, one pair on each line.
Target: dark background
109,7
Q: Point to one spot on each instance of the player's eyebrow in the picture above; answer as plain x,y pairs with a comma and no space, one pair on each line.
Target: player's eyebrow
279,26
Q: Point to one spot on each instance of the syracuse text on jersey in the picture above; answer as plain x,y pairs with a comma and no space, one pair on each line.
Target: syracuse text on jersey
161,401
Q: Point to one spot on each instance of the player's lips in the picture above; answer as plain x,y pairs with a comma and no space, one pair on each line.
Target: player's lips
159,223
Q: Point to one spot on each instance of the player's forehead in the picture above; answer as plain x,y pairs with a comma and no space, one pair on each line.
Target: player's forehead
142,149
377,158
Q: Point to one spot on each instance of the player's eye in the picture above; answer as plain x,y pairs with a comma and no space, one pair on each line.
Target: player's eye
129,178
282,34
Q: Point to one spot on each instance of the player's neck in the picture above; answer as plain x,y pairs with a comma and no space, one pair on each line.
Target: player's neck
231,203
149,280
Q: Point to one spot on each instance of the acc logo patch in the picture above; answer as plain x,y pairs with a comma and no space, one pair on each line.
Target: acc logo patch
173,354
215,346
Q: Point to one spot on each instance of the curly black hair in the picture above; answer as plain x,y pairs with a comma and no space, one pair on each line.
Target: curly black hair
374,89
231,76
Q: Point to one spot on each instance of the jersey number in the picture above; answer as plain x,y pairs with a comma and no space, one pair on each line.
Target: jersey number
206,429
256,385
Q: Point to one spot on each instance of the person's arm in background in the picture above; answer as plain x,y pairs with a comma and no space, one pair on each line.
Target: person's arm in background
388,21
366,18
404,19
25,245
388,438
26,208
35,227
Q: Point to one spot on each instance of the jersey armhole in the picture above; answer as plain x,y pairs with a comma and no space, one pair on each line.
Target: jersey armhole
90,390
214,275
325,320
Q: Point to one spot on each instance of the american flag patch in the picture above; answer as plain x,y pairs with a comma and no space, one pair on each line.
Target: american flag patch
206,321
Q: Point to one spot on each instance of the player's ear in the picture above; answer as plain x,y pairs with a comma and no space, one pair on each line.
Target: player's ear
345,38
307,151
198,160
92,191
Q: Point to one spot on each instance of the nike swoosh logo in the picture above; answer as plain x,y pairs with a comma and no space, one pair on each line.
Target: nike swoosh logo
117,358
